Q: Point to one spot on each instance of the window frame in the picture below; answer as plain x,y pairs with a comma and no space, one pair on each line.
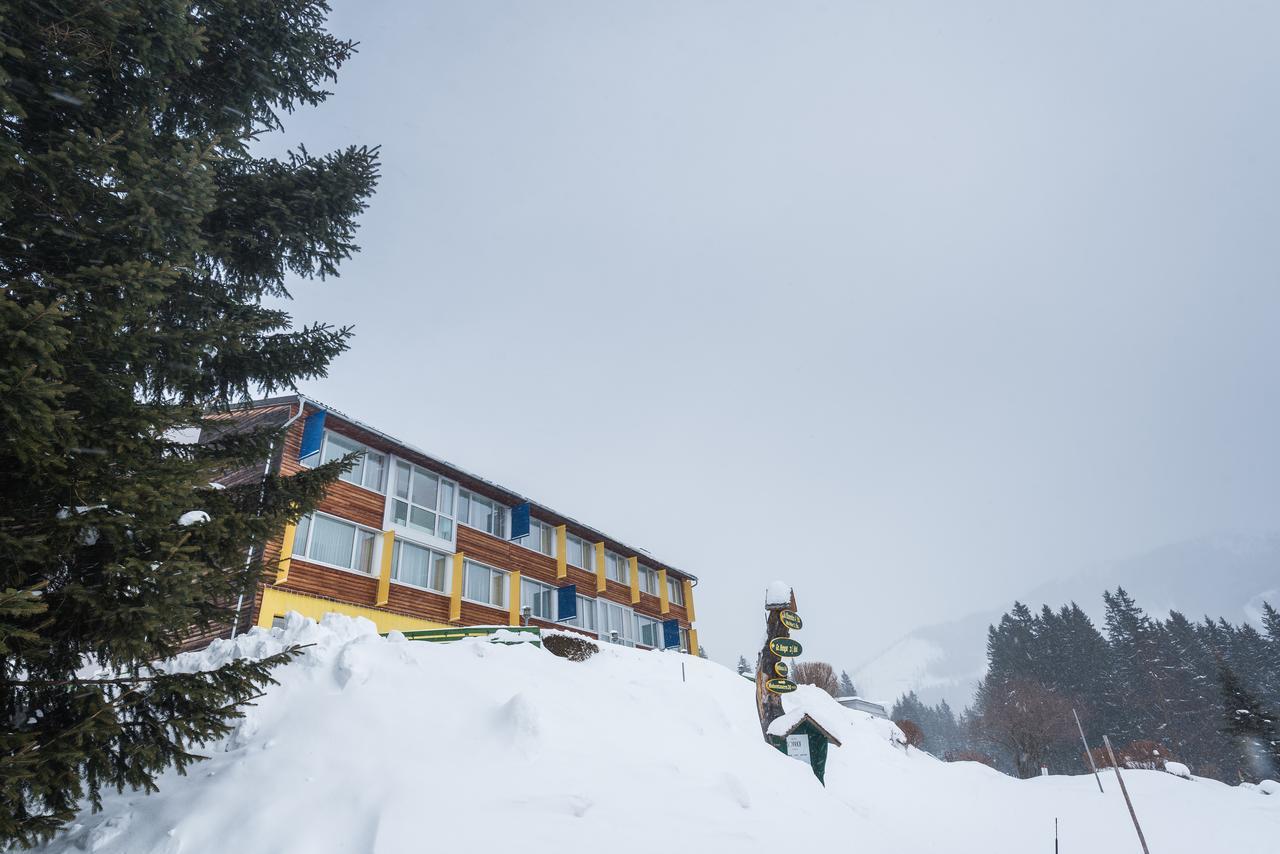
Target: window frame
651,573
586,605
500,513
394,498
361,465
467,563
375,550
629,620
622,562
588,551
536,527
549,589
675,591
397,552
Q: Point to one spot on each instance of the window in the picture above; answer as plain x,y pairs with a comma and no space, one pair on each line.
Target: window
649,631
615,567
325,539
423,500
684,642
675,591
479,512
586,618
484,584
648,580
581,553
539,598
419,566
370,469
542,538
616,624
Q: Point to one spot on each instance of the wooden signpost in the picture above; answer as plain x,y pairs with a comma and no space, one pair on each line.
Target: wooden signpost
771,670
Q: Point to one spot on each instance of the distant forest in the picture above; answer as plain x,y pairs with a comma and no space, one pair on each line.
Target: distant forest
1205,694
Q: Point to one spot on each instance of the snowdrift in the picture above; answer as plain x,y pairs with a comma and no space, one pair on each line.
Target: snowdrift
388,746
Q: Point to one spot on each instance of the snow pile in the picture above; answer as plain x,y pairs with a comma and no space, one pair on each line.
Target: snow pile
388,746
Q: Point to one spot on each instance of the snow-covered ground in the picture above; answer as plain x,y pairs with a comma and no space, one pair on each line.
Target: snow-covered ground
383,745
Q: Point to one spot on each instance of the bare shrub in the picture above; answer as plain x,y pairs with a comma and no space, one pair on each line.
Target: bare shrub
572,647
817,673
912,731
1142,754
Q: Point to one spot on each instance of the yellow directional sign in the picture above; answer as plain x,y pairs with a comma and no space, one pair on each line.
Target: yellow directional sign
780,686
791,620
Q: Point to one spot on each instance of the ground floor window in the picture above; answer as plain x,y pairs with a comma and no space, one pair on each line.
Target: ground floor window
586,618
616,623
539,598
649,631
419,566
484,584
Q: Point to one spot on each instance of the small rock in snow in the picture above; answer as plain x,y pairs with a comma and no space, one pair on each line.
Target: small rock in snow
1269,787
1177,769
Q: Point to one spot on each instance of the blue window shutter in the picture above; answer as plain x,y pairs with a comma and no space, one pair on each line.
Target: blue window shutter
670,634
566,603
312,436
520,521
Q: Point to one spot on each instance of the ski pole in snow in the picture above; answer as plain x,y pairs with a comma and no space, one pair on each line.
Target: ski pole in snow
1055,835
1133,815
1087,752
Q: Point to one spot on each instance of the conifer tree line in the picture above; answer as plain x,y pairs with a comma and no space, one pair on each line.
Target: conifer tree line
140,236
1205,693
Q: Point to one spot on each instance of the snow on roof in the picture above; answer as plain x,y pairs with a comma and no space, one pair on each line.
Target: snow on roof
778,593
782,727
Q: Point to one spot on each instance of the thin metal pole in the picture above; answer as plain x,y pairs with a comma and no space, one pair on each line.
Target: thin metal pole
1133,815
682,679
1055,835
1088,752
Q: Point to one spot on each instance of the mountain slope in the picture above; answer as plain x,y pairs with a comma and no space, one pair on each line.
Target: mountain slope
374,745
1218,576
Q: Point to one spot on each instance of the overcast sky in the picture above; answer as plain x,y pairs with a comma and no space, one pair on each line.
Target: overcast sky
913,305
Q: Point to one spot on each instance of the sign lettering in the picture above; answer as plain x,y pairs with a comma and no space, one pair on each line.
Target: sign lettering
785,647
791,620
780,686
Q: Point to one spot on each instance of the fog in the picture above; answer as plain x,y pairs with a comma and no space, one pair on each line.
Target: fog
913,305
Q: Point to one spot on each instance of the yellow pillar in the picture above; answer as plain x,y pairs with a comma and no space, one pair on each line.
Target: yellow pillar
688,599
513,598
455,597
384,576
286,553
662,592
635,579
562,551
693,641
600,576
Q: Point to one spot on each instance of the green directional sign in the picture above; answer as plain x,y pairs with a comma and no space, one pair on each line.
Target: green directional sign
785,647
782,669
791,620
780,686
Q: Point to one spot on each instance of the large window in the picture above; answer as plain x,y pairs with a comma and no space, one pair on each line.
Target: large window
479,512
542,538
615,567
649,631
648,580
539,598
586,618
325,539
419,566
370,470
580,553
616,623
484,584
675,591
423,500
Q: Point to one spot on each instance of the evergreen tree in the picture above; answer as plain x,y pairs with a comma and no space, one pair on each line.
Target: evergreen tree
847,688
140,237
744,669
1253,731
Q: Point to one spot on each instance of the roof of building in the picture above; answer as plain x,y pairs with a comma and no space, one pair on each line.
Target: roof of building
509,495
787,724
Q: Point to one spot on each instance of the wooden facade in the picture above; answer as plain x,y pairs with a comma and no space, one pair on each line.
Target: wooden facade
291,579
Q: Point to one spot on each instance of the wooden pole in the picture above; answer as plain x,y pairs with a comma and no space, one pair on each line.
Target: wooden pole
1133,815
769,704
1087,752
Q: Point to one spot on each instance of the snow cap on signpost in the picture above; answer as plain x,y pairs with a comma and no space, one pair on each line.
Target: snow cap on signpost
778,595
